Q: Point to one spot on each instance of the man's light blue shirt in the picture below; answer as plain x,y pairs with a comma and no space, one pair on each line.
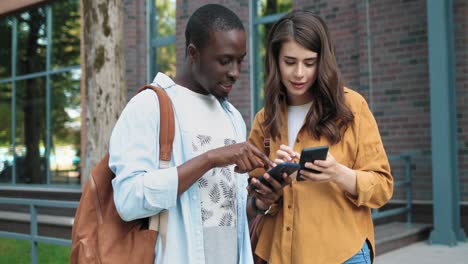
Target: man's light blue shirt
141,189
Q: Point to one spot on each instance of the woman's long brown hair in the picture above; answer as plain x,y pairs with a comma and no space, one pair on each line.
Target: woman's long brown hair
328,116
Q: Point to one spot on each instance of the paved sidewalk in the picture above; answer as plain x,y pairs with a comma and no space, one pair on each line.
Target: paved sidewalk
422,252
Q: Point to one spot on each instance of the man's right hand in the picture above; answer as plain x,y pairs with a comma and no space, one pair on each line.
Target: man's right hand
244,155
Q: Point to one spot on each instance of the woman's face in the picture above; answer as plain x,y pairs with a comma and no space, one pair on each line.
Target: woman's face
298,68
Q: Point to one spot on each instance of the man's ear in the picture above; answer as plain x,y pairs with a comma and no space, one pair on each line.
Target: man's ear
192,53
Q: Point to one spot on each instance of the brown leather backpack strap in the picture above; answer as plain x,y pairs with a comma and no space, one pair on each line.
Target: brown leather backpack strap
166,137
166,132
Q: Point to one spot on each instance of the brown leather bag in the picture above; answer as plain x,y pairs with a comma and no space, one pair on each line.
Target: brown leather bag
99,235
255,226
254,229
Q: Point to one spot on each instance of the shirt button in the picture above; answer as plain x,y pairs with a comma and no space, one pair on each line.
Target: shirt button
289,206
297,140
288,228
194,197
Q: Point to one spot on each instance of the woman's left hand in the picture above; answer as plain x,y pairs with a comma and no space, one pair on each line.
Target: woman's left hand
331,170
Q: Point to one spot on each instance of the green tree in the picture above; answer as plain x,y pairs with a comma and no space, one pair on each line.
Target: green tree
166,17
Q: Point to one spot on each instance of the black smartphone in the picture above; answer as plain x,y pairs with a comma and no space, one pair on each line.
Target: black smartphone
277,172
310,155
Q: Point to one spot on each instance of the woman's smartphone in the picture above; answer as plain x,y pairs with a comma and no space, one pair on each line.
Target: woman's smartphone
277,173
310,155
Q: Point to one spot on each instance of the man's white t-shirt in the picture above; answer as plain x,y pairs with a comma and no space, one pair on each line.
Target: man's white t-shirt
209,127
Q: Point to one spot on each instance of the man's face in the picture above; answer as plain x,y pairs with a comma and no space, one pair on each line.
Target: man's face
217,66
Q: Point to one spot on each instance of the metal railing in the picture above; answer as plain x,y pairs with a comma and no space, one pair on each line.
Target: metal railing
406,183
34,237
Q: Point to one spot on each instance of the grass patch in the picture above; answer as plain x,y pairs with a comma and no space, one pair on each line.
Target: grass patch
19,251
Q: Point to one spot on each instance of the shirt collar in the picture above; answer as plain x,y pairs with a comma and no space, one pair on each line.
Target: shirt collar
163,81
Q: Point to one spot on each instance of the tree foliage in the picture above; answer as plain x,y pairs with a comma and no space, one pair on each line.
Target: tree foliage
166,26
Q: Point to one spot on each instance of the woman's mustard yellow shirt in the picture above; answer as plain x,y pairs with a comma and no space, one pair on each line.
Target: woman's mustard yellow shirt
318,222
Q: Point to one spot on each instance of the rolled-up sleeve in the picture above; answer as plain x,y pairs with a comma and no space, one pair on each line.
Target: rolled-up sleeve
374,179
141,189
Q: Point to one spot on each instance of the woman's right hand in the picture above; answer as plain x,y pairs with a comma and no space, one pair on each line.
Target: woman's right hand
286,154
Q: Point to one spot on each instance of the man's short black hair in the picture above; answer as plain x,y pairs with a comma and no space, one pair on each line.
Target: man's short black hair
208,18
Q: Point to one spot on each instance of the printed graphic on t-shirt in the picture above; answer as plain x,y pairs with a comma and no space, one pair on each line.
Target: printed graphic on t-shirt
217,187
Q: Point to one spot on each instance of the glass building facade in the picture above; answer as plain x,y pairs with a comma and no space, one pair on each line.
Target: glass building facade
40,95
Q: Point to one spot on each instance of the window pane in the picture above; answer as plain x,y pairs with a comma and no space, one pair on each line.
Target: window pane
270,7
264,8
166,17
6,154
65,33
260,59
5,48
30,134
166,60
32,41
66,123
